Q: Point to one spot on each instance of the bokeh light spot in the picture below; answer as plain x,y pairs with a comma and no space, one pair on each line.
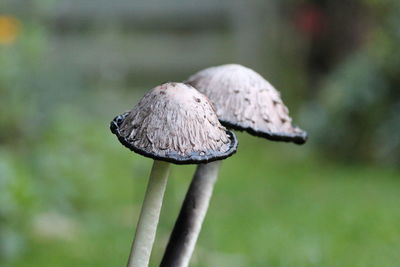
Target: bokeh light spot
9,29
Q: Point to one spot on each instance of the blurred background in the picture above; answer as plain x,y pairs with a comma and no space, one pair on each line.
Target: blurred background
70,194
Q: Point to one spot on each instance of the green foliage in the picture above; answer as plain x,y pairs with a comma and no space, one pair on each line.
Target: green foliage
357,117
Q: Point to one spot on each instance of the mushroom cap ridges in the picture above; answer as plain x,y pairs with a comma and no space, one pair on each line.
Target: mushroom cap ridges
244,100
175,123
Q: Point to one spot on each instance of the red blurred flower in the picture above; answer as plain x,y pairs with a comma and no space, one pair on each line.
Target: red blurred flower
310,20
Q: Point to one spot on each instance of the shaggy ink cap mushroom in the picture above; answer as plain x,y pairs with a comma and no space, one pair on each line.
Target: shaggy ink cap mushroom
173,122
245,101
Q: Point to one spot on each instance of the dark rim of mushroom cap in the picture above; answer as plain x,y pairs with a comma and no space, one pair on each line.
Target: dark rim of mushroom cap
193,158
299,138
211,80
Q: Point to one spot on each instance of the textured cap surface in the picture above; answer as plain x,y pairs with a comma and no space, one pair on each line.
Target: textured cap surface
175,123
244,100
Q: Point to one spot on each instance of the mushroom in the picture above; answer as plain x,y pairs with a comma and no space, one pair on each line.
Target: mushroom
172,123
244,101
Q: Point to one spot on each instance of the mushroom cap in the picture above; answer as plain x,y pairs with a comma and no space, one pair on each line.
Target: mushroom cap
245,101
174,122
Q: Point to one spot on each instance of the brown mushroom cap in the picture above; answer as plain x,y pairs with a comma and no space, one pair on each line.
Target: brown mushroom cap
175,123
245,101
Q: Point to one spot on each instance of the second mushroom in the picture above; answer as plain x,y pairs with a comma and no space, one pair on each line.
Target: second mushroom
244,101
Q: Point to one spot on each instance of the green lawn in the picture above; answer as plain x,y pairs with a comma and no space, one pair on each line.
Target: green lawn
275,204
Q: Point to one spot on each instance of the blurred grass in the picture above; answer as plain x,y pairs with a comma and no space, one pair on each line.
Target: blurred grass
275,204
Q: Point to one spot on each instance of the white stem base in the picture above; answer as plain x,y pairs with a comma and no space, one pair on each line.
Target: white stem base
149,216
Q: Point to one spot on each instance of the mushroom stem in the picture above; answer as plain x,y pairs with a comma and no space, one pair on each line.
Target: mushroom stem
188,225
149,216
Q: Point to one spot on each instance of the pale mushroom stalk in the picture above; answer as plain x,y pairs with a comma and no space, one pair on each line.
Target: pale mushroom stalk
188,225
244,101
149,216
